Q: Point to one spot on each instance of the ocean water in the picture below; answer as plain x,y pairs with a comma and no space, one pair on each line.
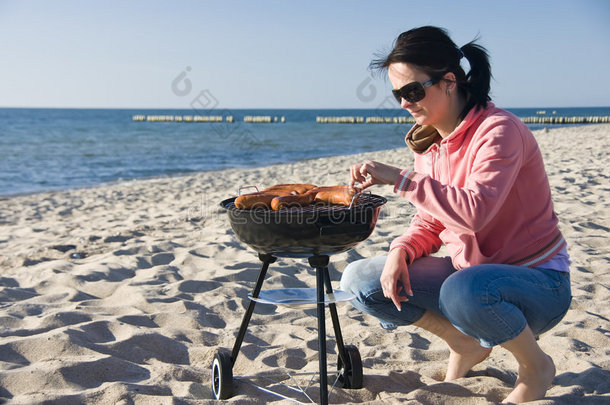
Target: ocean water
55,149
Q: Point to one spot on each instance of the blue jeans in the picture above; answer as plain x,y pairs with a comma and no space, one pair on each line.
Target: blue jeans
490,302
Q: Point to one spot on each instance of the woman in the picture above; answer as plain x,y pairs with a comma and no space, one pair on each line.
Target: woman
480,188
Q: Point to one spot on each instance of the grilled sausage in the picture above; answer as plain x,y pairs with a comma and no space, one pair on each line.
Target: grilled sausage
293,188
254,200
296,200
335,195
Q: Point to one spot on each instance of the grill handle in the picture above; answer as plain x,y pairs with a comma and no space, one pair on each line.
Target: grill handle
344,228
356,196
245,187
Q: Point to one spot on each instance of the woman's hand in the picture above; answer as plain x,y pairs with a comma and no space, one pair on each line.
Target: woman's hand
395,269
370,172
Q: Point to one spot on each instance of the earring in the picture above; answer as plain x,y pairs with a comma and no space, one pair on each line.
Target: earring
448,92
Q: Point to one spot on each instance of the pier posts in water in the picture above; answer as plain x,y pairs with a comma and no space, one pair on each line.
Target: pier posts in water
263,119
364,120
205,118
404,120
567,120
267,119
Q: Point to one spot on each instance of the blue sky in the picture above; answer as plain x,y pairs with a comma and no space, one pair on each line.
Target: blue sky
287,54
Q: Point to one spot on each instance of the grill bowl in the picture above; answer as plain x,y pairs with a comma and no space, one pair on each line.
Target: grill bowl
305,231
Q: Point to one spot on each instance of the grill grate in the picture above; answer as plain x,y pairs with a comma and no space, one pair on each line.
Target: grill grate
363,200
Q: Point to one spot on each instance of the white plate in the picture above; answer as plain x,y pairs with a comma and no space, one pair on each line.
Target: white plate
299,296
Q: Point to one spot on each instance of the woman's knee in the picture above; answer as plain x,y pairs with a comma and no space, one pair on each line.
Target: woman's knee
349,278
362,274
462,294
361,278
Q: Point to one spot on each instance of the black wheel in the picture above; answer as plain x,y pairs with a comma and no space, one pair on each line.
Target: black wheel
352,373
222,375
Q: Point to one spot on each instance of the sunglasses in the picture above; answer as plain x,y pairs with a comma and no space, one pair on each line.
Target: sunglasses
414,91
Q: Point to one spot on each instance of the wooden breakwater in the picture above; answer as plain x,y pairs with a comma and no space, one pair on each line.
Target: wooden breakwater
263,119
254,119
410,120
364,120
182,118
567,120
268,119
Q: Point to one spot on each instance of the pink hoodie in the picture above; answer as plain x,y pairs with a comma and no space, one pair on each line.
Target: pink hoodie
483,192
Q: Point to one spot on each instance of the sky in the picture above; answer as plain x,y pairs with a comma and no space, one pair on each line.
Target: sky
287,54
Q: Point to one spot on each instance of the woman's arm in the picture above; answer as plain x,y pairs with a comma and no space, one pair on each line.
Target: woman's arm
421,238
498,158
371,172
496,164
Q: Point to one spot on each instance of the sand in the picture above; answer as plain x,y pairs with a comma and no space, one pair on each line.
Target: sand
123,293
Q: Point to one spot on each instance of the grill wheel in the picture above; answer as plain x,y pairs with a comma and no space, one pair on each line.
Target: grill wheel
352,375
222,375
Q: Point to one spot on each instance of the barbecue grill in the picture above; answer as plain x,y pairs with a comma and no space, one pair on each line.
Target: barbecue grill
314,232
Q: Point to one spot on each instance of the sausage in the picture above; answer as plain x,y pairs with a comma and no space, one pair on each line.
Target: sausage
254,200
295,200
293,188
335,195
279,192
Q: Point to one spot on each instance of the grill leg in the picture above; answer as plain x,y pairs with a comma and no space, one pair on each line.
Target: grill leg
335,318
266,259
320,263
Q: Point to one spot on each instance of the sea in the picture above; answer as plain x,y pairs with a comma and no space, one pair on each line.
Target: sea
59,149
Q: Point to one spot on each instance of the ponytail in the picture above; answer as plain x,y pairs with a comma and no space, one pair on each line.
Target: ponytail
476,84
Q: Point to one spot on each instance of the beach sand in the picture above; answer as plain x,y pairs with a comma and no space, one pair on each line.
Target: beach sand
123,293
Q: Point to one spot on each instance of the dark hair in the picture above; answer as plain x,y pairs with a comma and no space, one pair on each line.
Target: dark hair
431,50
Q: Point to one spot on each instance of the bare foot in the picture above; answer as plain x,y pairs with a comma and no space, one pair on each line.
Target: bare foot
532,384
464,355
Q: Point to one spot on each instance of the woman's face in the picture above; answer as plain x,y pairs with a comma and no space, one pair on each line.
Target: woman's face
433,108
